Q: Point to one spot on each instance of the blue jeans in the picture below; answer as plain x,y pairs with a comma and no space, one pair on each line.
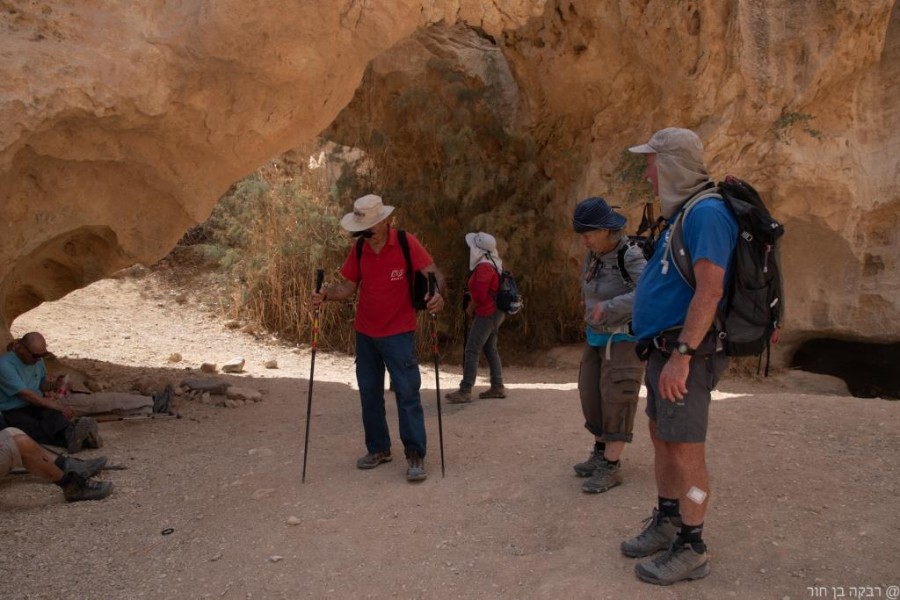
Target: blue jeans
398,354
483,336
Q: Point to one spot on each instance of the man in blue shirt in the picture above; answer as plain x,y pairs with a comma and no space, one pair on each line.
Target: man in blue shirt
674,322
28,401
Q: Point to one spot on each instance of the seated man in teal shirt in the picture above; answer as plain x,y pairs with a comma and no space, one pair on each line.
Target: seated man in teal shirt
28,401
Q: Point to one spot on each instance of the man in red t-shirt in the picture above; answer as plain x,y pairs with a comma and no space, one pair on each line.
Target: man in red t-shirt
385,329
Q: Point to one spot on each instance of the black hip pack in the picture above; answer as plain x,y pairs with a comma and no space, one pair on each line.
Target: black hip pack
666,342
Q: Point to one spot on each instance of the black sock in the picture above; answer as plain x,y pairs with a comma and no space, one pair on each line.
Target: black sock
669,506
693,535
60,462
614,463
64,479
599,448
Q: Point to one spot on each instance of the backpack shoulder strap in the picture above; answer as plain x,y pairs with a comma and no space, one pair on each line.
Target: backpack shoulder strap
620,258
404,246
488,255
359,249
677,251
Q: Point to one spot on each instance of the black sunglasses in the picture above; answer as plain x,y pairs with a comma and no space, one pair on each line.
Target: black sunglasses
365,233
36,354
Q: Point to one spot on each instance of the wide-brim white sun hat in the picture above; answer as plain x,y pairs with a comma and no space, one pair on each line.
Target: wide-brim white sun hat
482,241
367,211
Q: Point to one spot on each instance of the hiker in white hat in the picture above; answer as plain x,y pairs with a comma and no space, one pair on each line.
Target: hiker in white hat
483,284
382,264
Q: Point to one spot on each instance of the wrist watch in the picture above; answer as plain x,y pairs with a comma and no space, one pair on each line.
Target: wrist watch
685,350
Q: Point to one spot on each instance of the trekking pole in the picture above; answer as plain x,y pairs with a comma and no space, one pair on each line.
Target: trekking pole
432,286
320,276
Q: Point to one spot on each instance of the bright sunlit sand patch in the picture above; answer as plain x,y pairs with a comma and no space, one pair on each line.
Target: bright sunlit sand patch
541,386
717,395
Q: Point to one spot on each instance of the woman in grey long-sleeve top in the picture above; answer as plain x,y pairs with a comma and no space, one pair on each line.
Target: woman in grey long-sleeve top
610,375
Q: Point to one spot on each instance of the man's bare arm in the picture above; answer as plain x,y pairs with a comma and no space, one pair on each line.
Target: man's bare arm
49,401
336,292
701,312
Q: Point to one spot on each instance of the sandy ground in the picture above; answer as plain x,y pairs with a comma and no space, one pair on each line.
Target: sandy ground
803,502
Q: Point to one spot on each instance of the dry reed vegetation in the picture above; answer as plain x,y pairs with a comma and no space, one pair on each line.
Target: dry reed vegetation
270,233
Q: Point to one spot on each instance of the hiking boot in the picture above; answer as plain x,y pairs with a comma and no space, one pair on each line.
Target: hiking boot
495,391
416,469
80,488
680,562
77,435
604,478
162,402
658,534
594,462
93,439
459,397
85,468
370,461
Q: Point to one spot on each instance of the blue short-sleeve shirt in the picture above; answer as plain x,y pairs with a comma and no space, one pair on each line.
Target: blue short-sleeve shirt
16,376
661,301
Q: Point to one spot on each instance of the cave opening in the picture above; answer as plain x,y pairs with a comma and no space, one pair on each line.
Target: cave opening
871,370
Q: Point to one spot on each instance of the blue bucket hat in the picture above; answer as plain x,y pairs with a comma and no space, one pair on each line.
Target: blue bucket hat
595,213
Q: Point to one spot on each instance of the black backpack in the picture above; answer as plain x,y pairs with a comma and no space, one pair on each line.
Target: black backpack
755,296
633,241
645,239
418,283
508,298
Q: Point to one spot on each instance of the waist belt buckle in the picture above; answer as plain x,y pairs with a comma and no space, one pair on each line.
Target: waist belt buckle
661,344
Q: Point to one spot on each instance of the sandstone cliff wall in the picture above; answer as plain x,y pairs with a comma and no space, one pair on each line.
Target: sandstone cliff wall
120,126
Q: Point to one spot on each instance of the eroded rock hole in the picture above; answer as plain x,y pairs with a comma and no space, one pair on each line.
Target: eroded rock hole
870,370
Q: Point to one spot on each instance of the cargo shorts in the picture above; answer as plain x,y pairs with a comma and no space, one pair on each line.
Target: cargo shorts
9,452
609,389
685,421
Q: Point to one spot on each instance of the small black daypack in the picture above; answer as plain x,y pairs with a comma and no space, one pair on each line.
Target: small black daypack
645,239
754,299
508,298
418,283
633,241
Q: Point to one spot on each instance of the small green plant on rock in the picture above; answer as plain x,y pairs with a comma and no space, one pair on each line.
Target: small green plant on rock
784,126
629,185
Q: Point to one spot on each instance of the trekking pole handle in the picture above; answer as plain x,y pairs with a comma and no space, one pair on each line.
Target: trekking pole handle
432,284
320,277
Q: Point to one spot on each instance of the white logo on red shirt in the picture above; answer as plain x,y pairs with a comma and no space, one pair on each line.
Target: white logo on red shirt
396,274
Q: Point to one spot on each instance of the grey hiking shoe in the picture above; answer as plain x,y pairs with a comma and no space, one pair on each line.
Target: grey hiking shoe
416,469
370,461
680,562
594,462
495,391
459,397
658,534
80,488
604,478
78,434
85,468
